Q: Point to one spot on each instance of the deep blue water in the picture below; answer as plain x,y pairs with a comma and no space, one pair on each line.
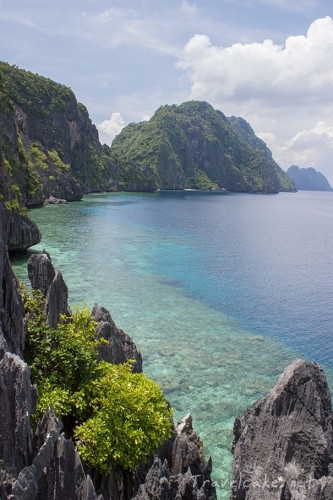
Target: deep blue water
220,291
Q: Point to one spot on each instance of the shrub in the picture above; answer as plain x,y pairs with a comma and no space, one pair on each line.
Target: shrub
115,415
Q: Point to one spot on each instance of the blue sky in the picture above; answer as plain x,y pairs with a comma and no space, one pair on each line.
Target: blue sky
269,61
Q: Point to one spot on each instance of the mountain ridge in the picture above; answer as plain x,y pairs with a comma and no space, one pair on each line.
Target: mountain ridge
50,147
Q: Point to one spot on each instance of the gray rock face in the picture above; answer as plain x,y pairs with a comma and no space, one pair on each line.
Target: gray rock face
12,332
120,347
283,446
43,277
17,402
40,272
19,233
56,471
56,301
178,472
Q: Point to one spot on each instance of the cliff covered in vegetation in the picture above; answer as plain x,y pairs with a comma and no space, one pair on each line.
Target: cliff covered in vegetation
50,147
194,146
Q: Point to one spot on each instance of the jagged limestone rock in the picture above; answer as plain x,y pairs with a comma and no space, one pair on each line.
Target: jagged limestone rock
12,331
120,347
40,272
56,471
179,474
57,301
283,446
17,402
52,285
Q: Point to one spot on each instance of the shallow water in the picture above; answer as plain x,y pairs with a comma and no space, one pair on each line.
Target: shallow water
219,291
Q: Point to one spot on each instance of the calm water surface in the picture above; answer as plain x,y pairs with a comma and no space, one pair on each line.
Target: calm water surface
219,291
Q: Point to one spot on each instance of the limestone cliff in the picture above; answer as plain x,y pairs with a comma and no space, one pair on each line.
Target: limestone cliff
18,231
283,446
194,146
49,146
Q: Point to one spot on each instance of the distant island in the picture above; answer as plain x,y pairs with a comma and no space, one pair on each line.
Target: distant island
308,179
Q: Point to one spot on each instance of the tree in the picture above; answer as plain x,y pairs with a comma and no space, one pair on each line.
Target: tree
114,415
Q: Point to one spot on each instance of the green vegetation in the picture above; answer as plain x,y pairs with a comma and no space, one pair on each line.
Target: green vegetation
186,146
114,415
194,146
37,95
39,158
57,160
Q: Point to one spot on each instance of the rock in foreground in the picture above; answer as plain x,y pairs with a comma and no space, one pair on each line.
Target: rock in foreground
283,444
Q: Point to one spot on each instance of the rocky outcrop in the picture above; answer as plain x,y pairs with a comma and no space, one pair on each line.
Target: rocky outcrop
57,301
17,402
56,471
119,347
283,446
54,201
41,272
18,232
178,471
52,285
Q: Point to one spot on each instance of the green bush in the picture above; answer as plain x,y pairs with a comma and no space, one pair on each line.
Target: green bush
38,156
120,416
57,160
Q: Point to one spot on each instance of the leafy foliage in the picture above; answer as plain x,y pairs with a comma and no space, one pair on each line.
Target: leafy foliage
130,418
115,415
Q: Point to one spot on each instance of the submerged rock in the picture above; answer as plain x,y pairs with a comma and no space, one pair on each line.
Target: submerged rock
283,446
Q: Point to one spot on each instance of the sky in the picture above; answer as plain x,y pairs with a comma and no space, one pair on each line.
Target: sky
268,61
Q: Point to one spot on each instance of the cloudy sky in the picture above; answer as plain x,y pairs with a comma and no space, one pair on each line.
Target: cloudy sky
269,61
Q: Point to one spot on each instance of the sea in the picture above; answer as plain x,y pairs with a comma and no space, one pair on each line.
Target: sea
219,291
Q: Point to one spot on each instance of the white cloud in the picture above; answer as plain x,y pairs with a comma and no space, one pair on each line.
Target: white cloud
307,148
189,8
108,129
279,89
263,70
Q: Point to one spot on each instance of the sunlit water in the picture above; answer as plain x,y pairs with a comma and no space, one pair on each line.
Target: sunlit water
219,291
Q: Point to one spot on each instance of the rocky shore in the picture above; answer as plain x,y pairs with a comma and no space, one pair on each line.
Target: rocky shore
42,463
283,444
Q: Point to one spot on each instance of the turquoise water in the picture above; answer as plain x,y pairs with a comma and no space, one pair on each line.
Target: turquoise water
219,291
